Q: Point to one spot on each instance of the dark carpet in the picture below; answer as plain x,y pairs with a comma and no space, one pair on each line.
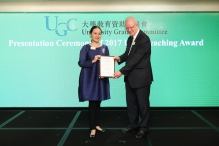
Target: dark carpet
68,127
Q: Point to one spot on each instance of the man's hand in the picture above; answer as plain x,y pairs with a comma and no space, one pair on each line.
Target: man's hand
117,74
116,58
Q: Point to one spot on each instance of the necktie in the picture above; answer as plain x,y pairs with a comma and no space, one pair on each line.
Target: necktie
131,45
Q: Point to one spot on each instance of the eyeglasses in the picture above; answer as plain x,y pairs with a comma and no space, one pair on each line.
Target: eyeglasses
127,28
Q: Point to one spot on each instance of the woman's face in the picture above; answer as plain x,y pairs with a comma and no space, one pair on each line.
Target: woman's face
96,35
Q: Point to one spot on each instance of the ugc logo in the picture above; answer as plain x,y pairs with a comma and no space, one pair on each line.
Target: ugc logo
60,28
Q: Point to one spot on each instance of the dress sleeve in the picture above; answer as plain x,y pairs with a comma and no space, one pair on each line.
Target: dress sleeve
83,62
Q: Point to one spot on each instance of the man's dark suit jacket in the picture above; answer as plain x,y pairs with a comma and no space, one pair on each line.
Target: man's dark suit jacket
137,69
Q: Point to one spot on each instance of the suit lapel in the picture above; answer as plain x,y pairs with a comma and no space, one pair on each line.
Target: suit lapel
134,46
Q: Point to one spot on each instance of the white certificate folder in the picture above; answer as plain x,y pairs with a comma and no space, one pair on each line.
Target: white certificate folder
107,66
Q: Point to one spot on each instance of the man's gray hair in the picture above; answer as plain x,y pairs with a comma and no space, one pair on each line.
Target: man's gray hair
131,18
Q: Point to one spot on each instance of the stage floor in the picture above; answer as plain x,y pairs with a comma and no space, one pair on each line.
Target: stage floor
55,127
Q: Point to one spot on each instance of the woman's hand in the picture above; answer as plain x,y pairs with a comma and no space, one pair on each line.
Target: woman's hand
96,57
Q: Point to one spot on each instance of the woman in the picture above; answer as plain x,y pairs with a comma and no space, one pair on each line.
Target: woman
92,88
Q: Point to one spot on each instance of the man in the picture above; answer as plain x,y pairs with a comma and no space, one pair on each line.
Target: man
137,76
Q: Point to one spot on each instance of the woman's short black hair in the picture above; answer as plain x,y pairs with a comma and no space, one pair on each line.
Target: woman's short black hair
91,30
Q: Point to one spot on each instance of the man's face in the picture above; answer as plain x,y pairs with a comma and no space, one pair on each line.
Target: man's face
131,27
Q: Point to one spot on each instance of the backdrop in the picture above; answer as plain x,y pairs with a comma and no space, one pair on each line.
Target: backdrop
39,55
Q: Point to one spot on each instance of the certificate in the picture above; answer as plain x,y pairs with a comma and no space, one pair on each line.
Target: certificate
107,66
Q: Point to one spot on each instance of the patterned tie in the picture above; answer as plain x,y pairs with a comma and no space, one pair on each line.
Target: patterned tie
131,45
